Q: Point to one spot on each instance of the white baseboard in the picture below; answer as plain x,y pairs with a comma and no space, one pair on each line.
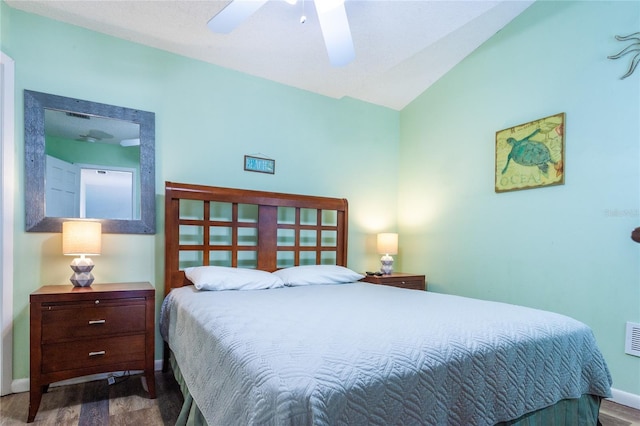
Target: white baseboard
625,398
22,385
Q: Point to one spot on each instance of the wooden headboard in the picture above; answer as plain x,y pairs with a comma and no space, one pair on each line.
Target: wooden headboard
207,225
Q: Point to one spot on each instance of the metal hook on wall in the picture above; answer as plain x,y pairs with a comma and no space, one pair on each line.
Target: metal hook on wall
633,47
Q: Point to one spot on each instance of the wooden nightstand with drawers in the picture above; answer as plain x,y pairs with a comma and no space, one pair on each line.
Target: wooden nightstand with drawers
78,331
398,279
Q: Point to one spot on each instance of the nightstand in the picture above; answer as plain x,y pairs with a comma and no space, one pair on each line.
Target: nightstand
398,279
78,331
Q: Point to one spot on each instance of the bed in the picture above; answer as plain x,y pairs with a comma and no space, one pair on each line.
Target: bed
264,324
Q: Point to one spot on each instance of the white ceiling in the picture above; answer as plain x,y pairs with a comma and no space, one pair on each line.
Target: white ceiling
402,47
78,126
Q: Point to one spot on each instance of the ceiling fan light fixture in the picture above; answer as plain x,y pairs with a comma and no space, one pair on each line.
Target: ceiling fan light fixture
291,2
332,17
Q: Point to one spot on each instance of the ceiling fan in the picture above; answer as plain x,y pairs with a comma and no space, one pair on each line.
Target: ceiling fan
94,136
332,17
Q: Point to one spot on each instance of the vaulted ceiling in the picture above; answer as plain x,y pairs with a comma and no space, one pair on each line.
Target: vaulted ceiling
401,47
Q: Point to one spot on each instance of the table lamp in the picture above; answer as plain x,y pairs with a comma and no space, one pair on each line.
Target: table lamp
81,238
387,245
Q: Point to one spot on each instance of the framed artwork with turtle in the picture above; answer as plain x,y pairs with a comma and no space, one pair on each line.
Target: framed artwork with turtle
530,155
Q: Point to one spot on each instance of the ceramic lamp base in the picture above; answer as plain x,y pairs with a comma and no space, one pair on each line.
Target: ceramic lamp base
82,279
82,276
387,264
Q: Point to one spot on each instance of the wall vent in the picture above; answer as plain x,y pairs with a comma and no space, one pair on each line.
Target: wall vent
632,340
79,115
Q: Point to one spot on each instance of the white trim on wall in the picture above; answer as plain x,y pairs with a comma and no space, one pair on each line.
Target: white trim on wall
625,398
7,178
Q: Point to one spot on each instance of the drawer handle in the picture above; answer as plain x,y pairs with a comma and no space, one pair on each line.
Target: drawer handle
97,353
93,322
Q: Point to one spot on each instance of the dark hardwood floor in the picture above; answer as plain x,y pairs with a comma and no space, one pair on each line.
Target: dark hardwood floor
98,403
126,403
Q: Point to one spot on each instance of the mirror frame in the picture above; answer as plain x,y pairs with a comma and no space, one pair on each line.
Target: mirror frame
34,146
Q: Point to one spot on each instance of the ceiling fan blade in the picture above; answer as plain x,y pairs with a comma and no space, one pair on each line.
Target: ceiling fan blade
130,142
335,30
233,14
99,134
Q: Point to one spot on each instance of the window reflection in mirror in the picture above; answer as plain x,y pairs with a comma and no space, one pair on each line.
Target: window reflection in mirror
92,166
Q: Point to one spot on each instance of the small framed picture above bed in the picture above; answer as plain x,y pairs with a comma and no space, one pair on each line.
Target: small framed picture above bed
259,164
530,155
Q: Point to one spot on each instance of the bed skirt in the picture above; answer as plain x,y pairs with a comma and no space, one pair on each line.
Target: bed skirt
567,412
190,414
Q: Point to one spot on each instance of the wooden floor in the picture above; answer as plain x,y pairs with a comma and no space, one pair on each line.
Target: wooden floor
98,403
126,403
612,414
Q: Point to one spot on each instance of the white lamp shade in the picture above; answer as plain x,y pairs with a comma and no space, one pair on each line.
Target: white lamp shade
388,243
81,238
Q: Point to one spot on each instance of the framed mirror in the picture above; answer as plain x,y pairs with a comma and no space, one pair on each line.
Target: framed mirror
88,160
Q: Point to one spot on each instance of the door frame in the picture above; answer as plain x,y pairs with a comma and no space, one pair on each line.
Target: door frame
7,195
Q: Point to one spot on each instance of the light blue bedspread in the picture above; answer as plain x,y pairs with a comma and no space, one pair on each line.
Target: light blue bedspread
357,354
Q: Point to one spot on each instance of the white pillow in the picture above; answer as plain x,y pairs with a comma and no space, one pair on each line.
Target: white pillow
226,278
317,274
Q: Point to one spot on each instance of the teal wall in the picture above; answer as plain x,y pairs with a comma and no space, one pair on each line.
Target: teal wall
96,153
564,248
207,119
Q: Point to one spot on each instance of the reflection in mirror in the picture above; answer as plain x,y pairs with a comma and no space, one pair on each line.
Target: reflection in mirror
88,160
92,166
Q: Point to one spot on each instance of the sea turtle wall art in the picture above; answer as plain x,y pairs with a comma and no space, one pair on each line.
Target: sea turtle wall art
530,155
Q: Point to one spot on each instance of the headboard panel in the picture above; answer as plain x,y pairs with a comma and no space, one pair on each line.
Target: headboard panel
207,225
